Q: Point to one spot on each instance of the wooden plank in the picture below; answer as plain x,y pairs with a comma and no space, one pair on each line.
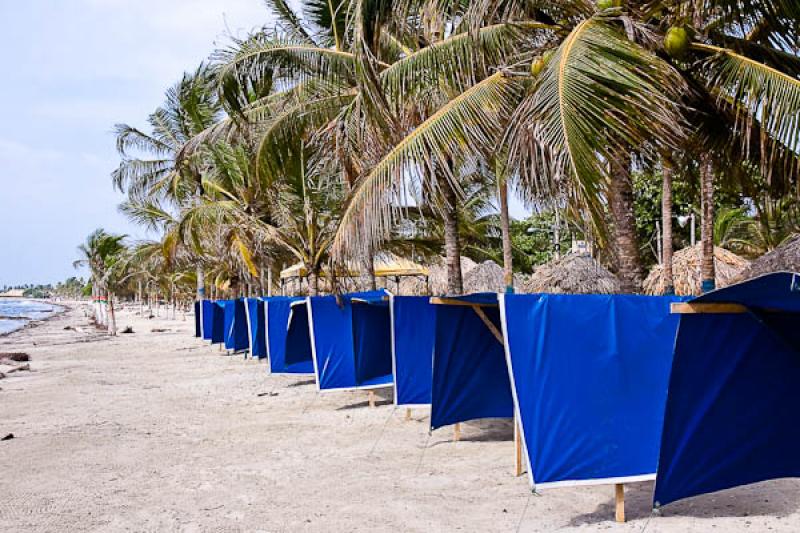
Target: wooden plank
619,498
436,300
489,324
517,449
685,308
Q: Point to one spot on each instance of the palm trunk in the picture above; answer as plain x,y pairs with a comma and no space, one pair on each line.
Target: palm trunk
452,246
626,247
708,275
505,230
666,223
313,279
113,322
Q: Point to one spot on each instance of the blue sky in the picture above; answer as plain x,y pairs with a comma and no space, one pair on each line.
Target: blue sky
72,70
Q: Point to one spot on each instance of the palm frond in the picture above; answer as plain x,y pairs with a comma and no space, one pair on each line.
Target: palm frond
471,123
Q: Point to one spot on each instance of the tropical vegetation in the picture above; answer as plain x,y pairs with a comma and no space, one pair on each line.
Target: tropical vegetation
346,129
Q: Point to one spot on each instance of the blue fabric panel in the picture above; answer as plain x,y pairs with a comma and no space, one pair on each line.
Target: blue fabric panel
218,322
414,335
333,339
298,340
590,374
255,309
731,415
372,343
277,319
197,330
470,377
485,298
236,326
208,318
780,290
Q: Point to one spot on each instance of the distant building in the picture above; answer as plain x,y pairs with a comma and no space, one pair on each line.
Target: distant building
13,293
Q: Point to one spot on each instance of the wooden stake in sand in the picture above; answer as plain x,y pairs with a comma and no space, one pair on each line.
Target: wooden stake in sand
372,399
619,497
408,414
457,432
517,449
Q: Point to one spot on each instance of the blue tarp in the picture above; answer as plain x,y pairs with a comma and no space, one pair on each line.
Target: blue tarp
731,416
288,353
590,378
197,324
207,308
218,321
414,333
470,376
257,334
236,336
351,340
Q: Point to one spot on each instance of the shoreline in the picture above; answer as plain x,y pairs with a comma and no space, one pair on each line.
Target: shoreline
30,323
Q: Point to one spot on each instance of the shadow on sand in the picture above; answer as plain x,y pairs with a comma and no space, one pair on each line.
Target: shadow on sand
778,498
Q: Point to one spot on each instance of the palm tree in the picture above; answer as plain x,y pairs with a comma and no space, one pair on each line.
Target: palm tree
99,253
158,181
603,84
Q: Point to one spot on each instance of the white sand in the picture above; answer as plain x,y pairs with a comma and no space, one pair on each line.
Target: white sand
160,432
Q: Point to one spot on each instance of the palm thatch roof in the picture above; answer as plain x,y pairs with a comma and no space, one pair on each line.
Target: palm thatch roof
485,277
686,271
572,274
785,257
437,279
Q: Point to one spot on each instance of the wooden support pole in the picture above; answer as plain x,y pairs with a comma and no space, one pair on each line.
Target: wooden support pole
457,432
707,308
489,324
517,449
619,497
372,398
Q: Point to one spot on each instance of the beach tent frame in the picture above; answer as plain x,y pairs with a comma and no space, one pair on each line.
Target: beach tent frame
289,301
477,306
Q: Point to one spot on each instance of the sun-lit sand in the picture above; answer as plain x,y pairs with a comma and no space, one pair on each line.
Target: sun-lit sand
157,431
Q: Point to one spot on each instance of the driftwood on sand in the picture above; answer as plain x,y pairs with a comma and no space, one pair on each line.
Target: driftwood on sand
686,271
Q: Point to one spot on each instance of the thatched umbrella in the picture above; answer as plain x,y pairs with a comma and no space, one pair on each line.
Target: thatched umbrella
572,274
784,258
485,277
686,271
437,279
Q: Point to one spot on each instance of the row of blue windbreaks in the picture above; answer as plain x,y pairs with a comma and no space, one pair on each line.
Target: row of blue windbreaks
588,376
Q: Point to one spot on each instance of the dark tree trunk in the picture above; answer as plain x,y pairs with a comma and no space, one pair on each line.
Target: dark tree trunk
707,224
505,229
624,241
666,223
452,246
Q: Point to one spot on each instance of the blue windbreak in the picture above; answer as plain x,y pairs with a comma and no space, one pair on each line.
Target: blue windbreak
372,343
207,318
197,324
236,337
352,340
590,376
414,335
257,337
277,311
218,322
731,416
470,377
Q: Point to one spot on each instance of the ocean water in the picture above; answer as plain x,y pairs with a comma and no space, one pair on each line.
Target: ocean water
14,313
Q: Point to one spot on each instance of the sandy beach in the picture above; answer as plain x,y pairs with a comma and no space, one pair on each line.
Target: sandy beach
157,431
